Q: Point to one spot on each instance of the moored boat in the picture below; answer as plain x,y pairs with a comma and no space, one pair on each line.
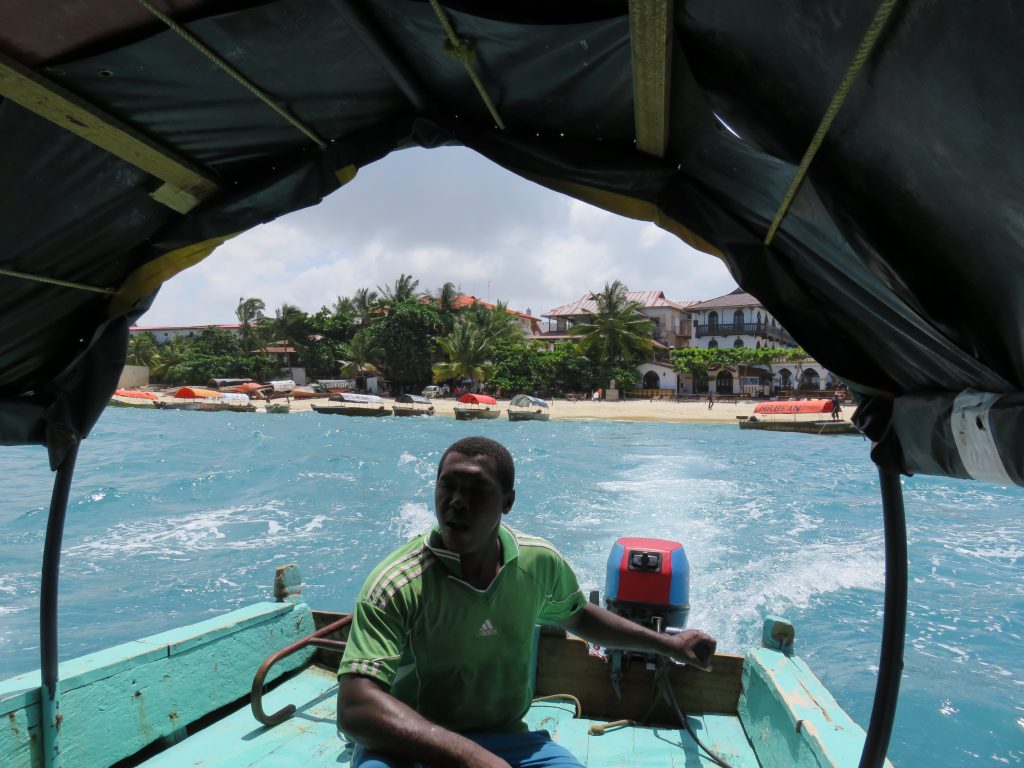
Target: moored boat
132,398
353,404
805,417
196,399
412,405
528,408
472,406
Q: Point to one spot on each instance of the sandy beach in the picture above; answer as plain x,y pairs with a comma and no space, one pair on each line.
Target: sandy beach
625,410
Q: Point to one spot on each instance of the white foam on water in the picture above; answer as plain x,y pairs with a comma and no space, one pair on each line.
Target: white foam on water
724,526
406,458
313,525
412,519
232,528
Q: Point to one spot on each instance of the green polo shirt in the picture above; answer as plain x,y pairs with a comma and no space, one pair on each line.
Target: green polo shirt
459,656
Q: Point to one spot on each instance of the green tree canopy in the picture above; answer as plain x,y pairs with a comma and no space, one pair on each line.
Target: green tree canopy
496,323
406,332
249,312
403,289
444,299
143,350
361,355
616,334
520,368
468,353
569,369
215,342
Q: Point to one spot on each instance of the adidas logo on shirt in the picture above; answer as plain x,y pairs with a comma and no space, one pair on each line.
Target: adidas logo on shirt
486,629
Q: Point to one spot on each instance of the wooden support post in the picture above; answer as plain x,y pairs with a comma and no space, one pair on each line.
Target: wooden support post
650,33
184,185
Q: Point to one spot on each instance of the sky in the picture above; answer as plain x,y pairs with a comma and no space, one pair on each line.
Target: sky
441,214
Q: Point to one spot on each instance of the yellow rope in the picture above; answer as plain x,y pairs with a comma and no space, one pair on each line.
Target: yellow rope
246,83
463,51
55,281
866,45
599,729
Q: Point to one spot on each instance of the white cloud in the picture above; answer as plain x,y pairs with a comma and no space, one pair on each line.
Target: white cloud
439,215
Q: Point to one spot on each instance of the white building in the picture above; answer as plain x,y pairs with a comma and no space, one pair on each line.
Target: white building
164,333
736,320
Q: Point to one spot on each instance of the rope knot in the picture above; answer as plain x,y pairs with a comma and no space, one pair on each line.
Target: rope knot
460,48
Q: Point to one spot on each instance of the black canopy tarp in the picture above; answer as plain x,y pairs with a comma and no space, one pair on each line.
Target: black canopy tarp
899,265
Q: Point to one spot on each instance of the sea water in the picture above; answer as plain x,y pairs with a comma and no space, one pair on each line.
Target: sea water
177,516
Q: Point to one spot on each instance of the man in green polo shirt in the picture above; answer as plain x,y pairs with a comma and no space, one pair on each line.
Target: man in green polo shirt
437,667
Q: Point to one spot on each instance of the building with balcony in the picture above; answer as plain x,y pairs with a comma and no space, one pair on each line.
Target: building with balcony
736,320
671,318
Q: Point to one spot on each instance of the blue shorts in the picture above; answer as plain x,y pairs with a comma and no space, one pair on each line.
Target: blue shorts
531,749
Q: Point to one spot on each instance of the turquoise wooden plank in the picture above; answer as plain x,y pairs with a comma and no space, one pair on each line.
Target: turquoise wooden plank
724,735
119,700
23,689
634,746
120,714
791,718
19,739
182,639
238,741
18,692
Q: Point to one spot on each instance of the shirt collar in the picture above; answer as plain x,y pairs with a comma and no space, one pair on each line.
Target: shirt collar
452,561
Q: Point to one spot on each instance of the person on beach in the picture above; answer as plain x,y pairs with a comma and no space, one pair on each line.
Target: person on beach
437,666
711,400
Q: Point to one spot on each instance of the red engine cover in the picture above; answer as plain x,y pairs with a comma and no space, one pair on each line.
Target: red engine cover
652,583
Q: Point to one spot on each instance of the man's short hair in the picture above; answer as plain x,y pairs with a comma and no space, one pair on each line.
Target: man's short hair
484,446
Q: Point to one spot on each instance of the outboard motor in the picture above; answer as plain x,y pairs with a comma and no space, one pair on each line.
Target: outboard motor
647,581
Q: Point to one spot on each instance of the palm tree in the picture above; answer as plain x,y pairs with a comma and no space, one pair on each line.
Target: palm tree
142,350
403,289
249,312
444,299
498,324
343,305
616,332
170,354
289,324
362,302
360,356
467,351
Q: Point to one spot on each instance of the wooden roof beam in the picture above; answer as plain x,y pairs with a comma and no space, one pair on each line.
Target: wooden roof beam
184,187
650,35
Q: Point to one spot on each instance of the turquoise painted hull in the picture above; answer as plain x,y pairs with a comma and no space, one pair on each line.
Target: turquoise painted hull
764,710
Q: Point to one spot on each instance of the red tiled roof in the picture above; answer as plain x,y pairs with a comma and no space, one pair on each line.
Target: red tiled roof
465,300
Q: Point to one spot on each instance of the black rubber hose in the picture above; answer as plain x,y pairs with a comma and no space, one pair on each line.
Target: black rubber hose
51,572
894,624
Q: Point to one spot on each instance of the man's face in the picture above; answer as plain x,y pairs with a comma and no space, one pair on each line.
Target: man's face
469,502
